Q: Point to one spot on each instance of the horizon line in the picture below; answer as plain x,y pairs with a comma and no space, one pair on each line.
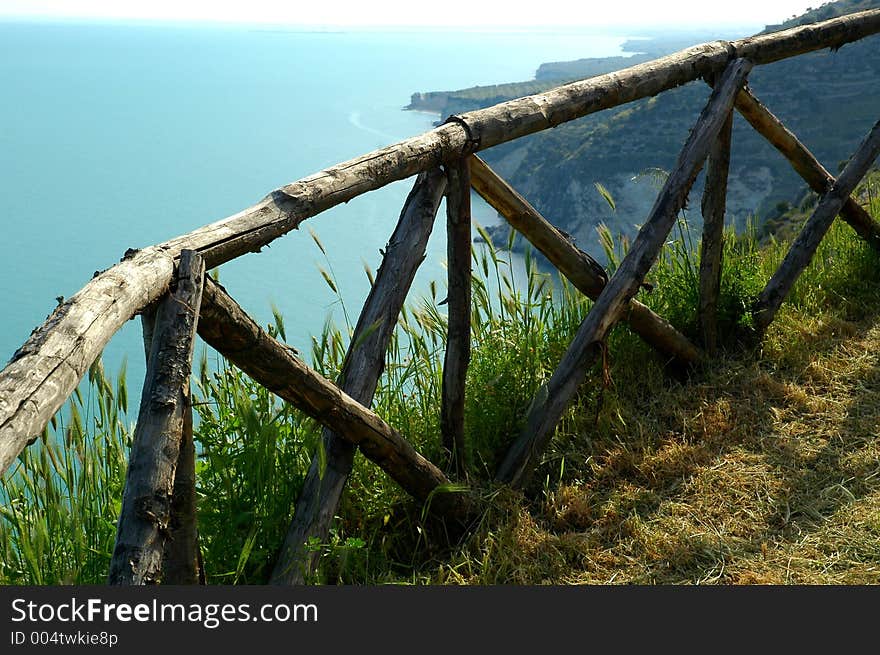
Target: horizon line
314,27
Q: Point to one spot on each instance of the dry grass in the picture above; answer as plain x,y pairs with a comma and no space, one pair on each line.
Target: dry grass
765,470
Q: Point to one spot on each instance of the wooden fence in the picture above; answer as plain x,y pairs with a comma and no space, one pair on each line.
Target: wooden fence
157,538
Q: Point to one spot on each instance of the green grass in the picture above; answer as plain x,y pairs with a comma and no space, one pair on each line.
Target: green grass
61,499
763,459
253,451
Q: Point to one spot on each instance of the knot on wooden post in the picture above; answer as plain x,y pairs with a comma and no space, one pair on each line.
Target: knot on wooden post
472,142
154,508
711,76
732,50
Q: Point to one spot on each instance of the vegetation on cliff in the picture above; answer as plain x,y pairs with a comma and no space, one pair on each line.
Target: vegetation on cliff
828,99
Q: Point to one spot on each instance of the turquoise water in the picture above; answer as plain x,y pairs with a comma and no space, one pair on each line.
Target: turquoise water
115,136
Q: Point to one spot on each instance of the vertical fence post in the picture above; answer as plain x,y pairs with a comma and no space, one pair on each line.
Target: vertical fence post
181,560
145,520
712,245
458,340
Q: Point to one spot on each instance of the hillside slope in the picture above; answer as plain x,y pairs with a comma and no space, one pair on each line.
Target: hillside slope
764,472
829,99
763,468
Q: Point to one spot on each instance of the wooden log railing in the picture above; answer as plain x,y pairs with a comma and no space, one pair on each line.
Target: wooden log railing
554,397
157,535
44,372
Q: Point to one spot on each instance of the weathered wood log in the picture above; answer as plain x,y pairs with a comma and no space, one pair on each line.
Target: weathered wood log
146,505
713,206
458,336
48,367
582,271
363,366
804,163
234,334
554,396
284,209
516,118
833,34
804,247
180,558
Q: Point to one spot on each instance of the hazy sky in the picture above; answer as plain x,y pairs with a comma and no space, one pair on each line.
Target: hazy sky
421,12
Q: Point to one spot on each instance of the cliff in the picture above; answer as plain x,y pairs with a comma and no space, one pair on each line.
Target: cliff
829,99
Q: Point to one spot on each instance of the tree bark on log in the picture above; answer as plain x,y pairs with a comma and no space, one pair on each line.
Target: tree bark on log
142,530
363,366
804,247
284,209
554,396
180,559
46,369
458,337
49,366
234,334
181,562
713,206
804,163
577,266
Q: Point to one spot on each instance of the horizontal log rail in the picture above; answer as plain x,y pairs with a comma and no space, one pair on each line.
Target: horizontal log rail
44,372
46,369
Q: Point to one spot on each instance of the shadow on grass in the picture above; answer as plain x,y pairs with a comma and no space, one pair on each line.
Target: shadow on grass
709,476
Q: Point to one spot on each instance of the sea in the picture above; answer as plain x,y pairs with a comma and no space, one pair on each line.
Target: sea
121,135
